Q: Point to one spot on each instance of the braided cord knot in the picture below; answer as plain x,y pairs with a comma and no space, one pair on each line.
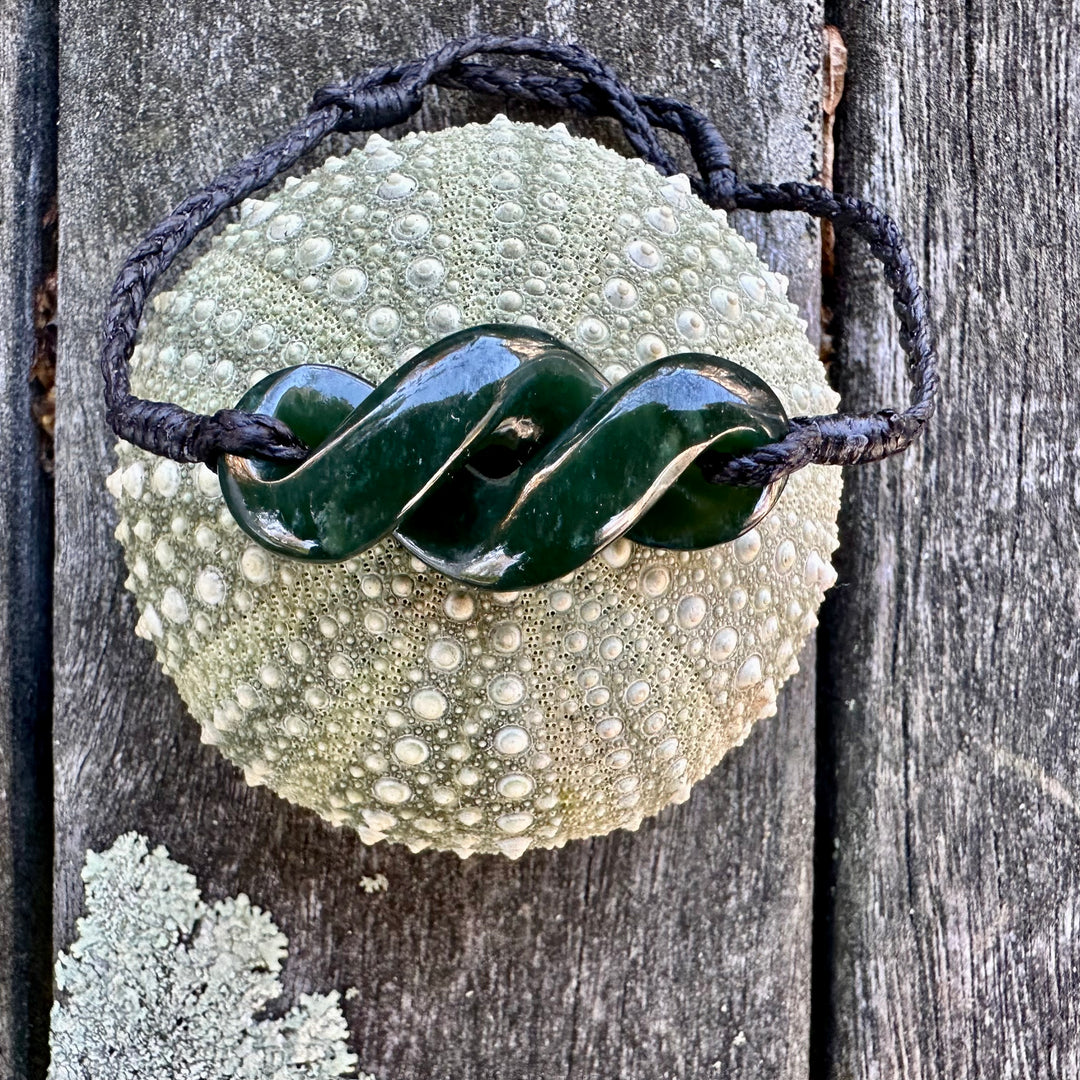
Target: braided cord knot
377,100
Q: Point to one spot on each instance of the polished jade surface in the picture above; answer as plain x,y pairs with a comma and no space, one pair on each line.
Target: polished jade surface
502,458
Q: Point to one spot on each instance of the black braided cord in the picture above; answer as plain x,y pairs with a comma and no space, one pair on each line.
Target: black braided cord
391,94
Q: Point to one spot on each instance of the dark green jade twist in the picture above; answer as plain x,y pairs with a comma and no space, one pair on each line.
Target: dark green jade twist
503,459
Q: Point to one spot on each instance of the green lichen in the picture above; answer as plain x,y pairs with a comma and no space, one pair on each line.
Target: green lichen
159,981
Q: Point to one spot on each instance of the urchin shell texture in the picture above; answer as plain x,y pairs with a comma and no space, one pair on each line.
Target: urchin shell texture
377,692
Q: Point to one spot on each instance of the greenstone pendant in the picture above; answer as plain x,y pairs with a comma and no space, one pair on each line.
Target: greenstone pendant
503,459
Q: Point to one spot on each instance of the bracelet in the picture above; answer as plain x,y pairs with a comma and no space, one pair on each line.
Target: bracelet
389,95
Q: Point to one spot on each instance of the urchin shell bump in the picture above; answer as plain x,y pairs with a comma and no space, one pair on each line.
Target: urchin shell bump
377,692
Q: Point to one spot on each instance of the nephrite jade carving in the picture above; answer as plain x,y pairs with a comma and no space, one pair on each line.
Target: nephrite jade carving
502,458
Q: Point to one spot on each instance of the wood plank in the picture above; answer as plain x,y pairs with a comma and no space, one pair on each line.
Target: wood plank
27,184
952,649
673,951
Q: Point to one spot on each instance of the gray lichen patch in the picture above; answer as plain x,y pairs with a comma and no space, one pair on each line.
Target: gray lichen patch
160,983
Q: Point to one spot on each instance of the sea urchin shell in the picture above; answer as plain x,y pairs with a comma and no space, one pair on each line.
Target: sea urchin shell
377,692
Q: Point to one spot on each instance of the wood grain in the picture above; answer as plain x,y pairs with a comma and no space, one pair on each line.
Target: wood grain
27,154
952,649
676,951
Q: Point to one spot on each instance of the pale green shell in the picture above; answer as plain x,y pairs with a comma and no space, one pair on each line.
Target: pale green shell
377,692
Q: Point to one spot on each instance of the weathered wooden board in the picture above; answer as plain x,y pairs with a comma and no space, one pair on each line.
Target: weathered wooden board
27,150
953,651
675,951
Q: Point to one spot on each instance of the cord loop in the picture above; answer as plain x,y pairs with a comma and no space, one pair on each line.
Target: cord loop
389,95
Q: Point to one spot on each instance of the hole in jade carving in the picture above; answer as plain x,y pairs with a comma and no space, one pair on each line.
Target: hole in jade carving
508,448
